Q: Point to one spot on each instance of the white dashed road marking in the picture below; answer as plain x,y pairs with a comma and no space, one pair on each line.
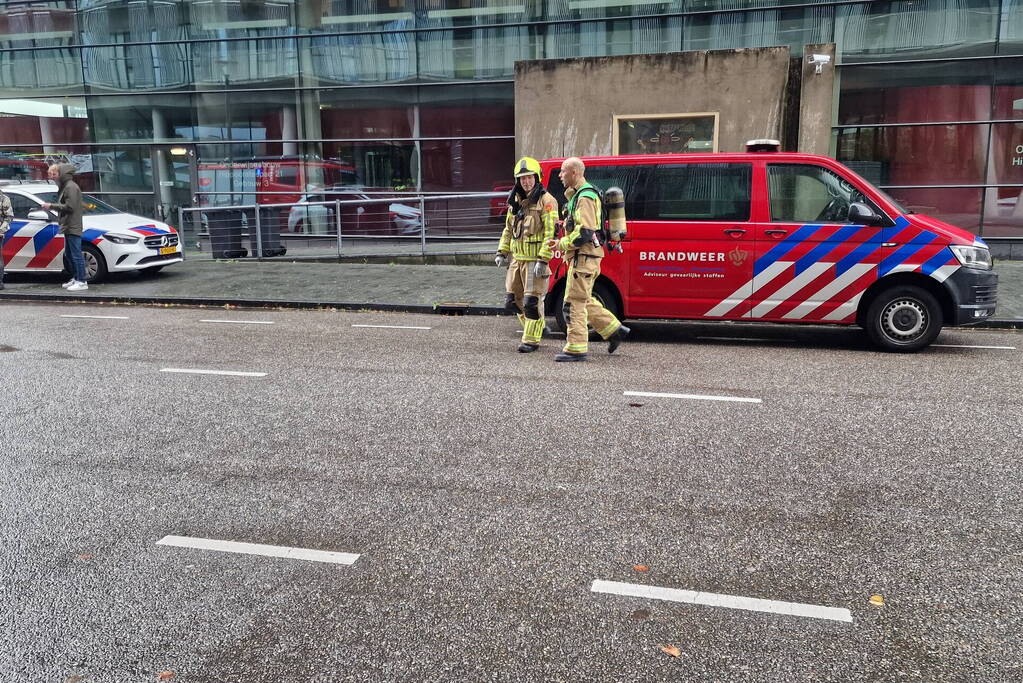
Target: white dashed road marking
396,327
230,373
695,397
968,346
98,317
797,609
259,549
240,322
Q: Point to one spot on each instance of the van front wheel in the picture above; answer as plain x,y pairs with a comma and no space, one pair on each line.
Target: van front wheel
904,319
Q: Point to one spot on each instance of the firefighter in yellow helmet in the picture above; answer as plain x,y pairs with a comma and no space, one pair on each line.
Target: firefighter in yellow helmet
528,227
583,253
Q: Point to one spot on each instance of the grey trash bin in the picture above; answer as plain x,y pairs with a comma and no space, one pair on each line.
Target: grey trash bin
269,233
226,234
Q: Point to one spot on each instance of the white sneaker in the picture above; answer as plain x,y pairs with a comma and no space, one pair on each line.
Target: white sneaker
77,286
68,283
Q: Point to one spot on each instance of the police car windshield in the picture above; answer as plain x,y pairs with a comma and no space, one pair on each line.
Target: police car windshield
90,205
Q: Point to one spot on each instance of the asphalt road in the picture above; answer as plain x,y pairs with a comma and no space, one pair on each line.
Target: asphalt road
486,491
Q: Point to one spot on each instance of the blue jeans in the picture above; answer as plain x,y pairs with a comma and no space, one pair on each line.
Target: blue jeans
74,263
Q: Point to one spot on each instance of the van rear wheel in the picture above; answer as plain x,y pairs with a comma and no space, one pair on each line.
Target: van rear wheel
904,319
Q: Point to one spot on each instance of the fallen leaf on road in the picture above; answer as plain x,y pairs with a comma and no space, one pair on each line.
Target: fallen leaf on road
670,650
877,600
641,567
635,405
165,675
84,557
74,678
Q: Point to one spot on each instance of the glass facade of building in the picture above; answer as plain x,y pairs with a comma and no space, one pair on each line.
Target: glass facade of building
159,100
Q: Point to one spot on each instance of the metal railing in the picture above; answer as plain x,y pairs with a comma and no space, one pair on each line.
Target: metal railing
421,224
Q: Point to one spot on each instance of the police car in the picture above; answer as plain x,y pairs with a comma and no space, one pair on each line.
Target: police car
112,241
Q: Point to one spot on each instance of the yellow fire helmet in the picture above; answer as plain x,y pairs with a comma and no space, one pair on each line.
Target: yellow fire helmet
527,166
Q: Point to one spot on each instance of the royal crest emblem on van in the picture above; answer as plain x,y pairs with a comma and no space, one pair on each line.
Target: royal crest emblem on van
737,256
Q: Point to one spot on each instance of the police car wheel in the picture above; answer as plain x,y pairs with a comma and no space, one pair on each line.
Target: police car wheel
904,319
95,264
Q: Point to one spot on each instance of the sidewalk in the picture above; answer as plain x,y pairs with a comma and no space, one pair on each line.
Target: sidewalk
470,288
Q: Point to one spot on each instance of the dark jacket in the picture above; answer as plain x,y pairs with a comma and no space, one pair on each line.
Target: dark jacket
69,202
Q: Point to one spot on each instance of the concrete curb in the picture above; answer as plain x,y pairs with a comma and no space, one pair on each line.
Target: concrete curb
442,308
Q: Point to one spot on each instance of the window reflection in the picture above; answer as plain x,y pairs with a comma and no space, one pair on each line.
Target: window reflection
911,93
914,29
917,155
245,63
40,72
475,53
361,113
369,58
128,68
44,121
37,24
338,16
959,206
792,27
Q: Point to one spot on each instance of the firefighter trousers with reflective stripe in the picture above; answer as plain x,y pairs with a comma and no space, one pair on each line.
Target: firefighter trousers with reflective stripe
529,292
581,309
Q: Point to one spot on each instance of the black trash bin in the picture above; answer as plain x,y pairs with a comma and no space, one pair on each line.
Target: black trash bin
226,234
269,233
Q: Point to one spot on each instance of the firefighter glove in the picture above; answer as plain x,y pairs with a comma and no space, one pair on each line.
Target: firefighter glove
501,259
541,269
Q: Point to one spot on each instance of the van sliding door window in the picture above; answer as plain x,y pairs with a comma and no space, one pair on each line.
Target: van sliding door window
700,192
631,179
804,193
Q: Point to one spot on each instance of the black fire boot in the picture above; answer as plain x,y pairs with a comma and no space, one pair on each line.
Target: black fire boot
617,338
570,357
528,348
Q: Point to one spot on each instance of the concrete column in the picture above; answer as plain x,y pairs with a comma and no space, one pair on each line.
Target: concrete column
289,130
163,170
46,134
817,101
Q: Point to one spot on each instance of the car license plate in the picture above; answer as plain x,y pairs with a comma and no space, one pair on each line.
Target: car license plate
167,250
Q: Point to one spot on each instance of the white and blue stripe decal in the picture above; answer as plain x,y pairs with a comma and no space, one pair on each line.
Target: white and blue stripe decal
765,261
903,253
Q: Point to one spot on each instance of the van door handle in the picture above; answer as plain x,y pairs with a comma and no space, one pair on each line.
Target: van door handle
774,233
735,232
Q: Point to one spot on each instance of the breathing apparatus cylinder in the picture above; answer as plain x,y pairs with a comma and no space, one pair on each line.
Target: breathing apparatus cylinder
614,201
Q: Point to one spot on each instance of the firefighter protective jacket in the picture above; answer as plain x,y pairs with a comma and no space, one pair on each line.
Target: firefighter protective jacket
526,232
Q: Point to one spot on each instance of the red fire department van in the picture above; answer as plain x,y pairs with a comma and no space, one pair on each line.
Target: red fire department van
780,237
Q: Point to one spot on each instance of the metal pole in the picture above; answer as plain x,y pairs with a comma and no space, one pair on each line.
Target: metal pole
259,236
337,223
181,230
422,223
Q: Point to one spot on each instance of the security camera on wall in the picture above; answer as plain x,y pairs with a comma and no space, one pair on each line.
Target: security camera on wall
818,61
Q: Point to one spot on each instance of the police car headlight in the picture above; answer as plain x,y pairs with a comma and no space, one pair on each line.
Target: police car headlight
121,239
972,257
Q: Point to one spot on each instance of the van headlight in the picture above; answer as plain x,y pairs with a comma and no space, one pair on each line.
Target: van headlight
121,239
972,257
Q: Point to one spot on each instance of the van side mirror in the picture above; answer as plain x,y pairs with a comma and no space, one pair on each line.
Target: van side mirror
861,214
39,215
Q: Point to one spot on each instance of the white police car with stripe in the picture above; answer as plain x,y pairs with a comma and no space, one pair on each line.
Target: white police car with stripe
112,241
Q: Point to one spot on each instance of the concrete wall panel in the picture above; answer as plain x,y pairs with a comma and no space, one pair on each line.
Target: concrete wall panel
565,107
